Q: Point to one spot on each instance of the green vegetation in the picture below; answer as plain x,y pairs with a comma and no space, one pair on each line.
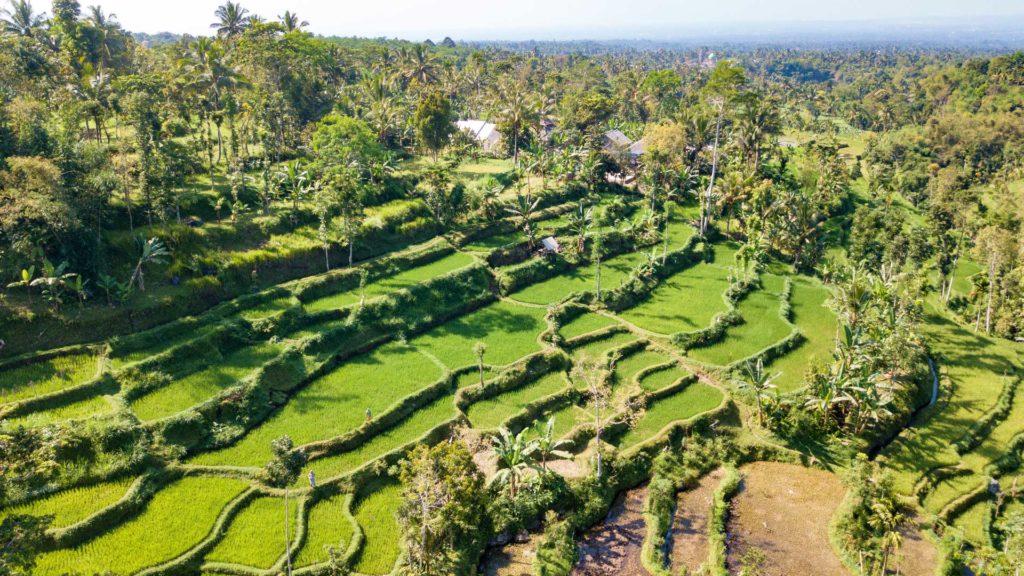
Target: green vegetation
204,384
43,377
405,432
762,326
375,513
297,248
614,271
585,324
70,506
819,327
686,301
328,525
334,404
510,332
491,413
256,536
392,283
177,518
691,401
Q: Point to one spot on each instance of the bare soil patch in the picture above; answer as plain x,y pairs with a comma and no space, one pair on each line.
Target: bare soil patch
612,548
918,555
781,515
689,536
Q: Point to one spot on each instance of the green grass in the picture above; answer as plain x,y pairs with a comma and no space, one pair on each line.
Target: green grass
627,368
177,518
121,360
818,325
762,327
654,381
375,514
687,301
70,506
583,279
972,522
491,413
585,324
335,404
597,348
509,331
691,401
566,418
315,329
327,525
268,309
407,431
202,385
389,284
255,536
473,378
976,366
47,376
94,406
493,242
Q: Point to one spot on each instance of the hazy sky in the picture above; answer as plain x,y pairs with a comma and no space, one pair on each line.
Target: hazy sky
540,19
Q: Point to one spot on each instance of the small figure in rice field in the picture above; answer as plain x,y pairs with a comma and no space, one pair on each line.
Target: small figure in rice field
312,479
369,415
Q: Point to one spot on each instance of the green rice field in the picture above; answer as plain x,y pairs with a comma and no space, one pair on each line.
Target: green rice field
46,376
394,283
177,518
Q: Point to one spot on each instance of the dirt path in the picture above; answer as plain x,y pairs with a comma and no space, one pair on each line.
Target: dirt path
779,520
612,548
689,537
918,555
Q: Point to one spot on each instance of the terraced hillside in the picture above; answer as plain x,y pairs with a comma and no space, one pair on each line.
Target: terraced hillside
357,367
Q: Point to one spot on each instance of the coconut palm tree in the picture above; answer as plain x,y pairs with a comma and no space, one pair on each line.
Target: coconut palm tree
291,21
417,65
515,112
211,76
232,19
515,458
20,18
548,446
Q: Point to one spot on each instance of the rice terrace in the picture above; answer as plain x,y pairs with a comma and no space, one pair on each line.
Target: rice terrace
287,298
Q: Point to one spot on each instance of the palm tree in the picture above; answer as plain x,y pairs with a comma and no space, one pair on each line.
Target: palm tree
549,447
232,20
153,251
291,21
515,111
523,209
479,349
106,25
20,18
209,75
759,383
886,519
417,66
515,457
